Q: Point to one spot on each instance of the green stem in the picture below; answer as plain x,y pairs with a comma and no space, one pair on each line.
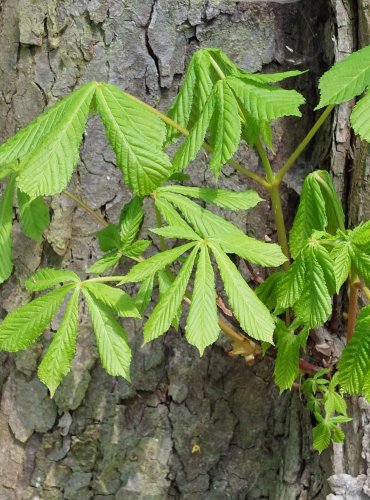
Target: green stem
82,204
302,146
279,221
265,162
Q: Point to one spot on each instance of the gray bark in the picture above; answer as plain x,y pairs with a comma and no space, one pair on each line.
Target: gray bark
101,437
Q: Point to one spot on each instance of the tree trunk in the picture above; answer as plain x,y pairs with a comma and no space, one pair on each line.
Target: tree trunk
187,427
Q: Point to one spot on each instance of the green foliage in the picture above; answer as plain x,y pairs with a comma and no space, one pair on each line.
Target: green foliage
218,105
288,346
137,137
6,220
111,338
57,361
346,79
224,99
354,364
34,215
328,407
319,209
202,327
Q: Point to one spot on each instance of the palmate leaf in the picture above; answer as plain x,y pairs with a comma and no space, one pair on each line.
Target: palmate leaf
6,220
34,215
341,258
47,278
202,328
251,313
354,363
165,311
137,137
57,361
24,325
111,338
288,352
232,239
47,169
117,300
346,79
152,265
224,198
333,205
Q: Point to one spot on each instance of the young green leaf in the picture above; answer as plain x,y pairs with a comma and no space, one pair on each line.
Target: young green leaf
181,107
346,79
289,288
31,137
354,363
192,144
202,327
116,299
165,311
267,291
361,262
333,205
109,238
176,232
314,305
225,127
130,220
106,262
144,295
264,102
111,338
321,436
137,137
270,77
311,215
360,235
135,249
47,169
154,264
172,217
6,220
24,325
341,257
34,215
164,281
360,117
288,351
231,238
57,361
232,200
47,278
251,313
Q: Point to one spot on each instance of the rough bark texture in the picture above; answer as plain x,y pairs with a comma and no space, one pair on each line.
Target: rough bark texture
101,437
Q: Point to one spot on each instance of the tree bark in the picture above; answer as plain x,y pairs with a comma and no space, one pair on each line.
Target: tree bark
187,427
